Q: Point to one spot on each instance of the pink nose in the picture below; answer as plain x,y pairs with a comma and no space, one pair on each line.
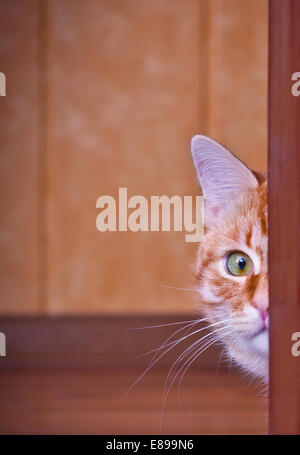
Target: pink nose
261,302
264,314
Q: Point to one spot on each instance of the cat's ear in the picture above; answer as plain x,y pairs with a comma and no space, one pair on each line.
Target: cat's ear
222,176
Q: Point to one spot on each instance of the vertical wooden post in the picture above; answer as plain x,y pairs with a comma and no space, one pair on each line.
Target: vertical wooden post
284,215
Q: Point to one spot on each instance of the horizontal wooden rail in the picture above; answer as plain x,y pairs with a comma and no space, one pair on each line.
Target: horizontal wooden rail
93,341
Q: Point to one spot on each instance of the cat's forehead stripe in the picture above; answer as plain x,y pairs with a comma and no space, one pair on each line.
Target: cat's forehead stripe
251,285
248,237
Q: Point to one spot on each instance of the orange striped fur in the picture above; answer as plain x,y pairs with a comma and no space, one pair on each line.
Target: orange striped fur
237,219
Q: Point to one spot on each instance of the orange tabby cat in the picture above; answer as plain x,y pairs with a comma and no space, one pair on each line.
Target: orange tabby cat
231,270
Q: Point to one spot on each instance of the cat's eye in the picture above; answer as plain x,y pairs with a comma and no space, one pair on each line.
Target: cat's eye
239,264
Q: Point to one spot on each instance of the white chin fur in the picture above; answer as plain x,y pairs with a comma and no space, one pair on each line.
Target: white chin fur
252,354
260,343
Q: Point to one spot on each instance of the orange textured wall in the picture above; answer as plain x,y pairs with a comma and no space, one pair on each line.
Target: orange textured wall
238,67
19,158
123,100
116,90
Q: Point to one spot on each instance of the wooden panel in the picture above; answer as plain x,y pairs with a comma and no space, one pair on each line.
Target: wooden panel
19,157
238,40
284,207
123,103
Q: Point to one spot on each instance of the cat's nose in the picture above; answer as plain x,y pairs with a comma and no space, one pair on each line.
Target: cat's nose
264,314
261,302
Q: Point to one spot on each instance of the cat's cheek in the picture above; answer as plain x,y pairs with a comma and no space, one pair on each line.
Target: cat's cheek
249,360
260,343
208,295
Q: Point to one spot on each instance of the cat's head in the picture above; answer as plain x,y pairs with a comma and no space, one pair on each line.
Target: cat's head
231,269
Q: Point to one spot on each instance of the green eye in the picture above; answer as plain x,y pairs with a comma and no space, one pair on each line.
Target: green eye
239,264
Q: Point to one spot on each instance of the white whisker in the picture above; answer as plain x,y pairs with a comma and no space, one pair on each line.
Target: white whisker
196,343
165,344
177,289
200,351
165,325
219,362
189,361
174,343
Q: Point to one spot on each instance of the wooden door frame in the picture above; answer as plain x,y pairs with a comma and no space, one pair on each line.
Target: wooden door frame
284,215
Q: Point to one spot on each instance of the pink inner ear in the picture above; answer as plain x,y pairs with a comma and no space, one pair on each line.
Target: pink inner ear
222,176
211,212
214,210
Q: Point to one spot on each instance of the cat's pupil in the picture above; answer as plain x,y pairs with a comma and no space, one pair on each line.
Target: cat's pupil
242,263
